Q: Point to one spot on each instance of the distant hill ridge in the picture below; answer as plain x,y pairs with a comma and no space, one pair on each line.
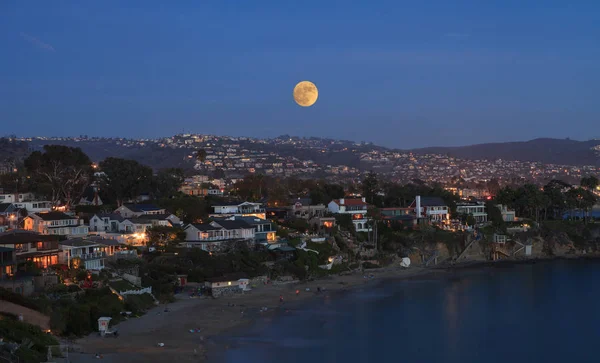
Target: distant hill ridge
544,150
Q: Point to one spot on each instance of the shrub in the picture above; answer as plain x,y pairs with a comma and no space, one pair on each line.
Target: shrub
16,331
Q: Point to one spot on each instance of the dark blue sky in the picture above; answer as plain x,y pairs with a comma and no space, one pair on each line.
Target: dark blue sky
398,73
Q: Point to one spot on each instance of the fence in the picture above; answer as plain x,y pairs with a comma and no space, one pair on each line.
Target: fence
146,290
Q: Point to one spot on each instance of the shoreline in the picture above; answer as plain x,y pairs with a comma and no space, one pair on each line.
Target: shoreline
222,317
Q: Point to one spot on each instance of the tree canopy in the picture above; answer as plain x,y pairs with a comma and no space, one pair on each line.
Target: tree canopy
64,171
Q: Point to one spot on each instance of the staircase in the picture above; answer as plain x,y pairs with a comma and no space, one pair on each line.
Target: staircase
464,252
432,258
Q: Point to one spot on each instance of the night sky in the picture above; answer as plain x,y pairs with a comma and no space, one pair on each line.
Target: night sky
396,73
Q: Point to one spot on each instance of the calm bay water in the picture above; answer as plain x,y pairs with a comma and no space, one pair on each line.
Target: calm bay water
544,312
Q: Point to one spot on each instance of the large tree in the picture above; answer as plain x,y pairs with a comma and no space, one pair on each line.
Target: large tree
370,187
167,182
66,171
125,179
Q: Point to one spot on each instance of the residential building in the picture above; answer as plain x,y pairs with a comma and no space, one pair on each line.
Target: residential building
245,209
9,215
303,208
507,214
42,250
405,216
82,253
356,208
136,210
433,209
15,197
55,223
8,262
135,225
105,222
264,232
35,206
475,209
322,224
212,236
90,196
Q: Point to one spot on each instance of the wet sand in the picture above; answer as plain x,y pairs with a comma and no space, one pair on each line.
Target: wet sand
139,337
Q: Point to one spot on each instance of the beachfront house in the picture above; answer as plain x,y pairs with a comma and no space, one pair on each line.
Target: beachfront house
214,236
82,253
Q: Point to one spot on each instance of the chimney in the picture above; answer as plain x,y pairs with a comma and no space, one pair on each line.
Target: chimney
342,201
418,206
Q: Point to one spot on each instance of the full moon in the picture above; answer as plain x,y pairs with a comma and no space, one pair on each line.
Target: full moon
306,94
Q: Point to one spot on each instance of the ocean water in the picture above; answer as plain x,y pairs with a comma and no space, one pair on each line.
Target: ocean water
544,312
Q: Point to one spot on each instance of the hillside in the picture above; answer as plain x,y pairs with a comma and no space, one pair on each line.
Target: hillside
548,151
151,154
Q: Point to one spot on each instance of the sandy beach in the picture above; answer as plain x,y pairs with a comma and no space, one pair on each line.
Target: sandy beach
139,337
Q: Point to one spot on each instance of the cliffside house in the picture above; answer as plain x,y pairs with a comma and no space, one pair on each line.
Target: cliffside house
303,208
42,250
475,209
55,223
431,209
212,236
245,209
404,216
355,207
137,210
323,224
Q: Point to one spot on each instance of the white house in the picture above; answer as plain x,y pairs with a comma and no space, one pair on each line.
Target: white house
135,225
245,209
433,209
476,209
356,208
136,210
57,223
15,197
82,251
211,236
35,207
507,215
105,222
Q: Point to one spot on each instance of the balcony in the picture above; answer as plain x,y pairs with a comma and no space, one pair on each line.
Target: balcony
251,210
91,256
